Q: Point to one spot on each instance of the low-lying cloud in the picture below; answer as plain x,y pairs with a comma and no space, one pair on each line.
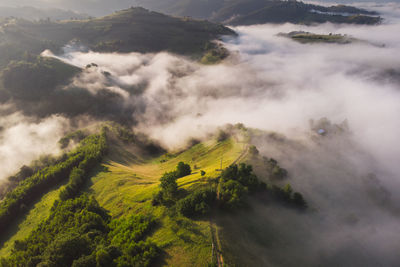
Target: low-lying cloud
275,84
24,139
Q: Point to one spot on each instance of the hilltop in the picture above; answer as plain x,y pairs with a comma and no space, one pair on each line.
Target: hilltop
130,30
308,37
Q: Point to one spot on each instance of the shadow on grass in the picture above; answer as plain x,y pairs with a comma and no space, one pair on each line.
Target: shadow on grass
14,224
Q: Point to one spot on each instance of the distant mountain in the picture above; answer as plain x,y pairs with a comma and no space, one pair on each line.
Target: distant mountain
26,78
130,30
195,8
32,13
246,12
296,12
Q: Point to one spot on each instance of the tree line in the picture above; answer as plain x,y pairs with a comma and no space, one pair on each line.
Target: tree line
80,161
236,184
80,233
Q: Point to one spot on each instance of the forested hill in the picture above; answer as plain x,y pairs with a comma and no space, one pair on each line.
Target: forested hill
245,12
130,30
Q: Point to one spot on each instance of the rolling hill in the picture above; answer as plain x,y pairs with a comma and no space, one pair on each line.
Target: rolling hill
248,12
131,30
126,181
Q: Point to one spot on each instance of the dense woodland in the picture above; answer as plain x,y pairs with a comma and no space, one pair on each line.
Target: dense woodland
79,232
76,165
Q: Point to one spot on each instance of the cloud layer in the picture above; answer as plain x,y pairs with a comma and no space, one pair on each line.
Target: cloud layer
272,83
275,84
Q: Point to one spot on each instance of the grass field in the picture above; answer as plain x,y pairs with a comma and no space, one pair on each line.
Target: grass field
125,187
39,212
125,183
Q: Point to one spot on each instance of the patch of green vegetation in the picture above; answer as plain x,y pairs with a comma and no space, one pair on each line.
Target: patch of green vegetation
307,37
35,77
215,54
128,187
84,158
130,30
38,213
186,232
78,232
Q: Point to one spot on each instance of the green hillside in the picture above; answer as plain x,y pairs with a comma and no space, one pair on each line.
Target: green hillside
309,38
125,184
130,30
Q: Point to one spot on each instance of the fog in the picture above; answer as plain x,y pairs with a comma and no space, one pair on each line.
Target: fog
350,178
91,7
104,7
24,139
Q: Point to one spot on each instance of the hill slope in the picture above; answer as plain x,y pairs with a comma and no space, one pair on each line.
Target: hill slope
247,12
131,30
125,184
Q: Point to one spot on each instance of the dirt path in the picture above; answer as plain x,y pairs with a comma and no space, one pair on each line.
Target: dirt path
216,243
243,154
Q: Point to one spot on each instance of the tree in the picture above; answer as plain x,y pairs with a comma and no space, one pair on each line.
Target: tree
183,169
232,194
66,248
168,184
202,173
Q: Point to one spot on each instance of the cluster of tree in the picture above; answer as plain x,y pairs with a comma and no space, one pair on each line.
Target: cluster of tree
240,181
79,233
198,203
26,171
84,158
95,148
276,171
216,53
236,183
168,186
287,196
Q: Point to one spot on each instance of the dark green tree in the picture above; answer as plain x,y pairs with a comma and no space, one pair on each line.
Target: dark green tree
168,184
183,169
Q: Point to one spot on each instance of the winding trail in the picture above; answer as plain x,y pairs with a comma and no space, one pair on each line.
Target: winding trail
216,243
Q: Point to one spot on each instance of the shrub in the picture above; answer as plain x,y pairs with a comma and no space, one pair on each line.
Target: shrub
197,203
168,184
232,194
183,169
